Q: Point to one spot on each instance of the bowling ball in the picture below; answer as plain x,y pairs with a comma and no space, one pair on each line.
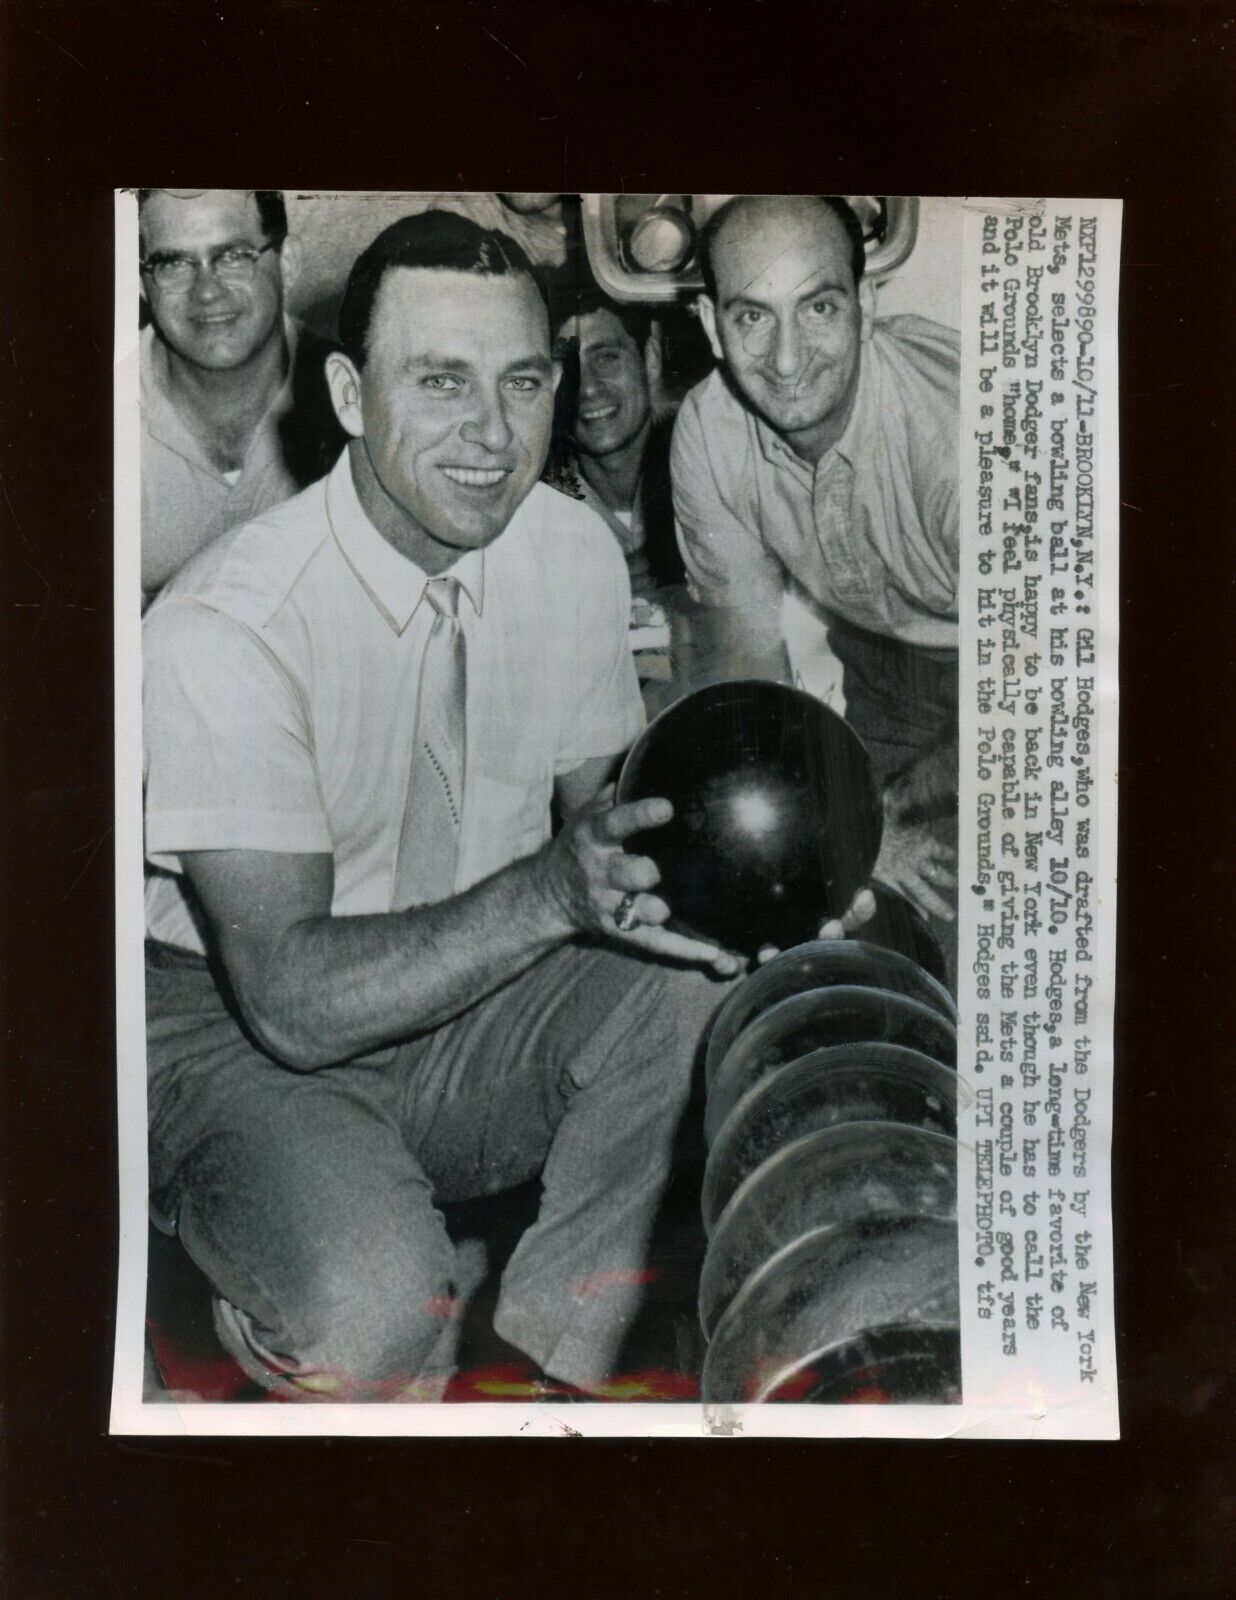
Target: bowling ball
896,1365
819,965
826,1289
776,819
896,925
825,1179
841,1086
814,1021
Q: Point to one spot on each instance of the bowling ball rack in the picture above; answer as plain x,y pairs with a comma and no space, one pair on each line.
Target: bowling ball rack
830,1191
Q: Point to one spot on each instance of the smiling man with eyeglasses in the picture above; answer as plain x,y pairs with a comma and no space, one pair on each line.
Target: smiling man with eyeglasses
236,413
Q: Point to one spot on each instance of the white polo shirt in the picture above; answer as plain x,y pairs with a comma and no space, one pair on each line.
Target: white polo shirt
188,500
280,669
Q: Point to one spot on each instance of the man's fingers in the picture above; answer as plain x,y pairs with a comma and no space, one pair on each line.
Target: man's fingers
861,909
942,879
920,892
679,947
631,874
620,822
927,900
648,911
766,953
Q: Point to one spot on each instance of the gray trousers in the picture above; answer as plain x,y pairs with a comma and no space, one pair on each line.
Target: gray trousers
309,1199
901,700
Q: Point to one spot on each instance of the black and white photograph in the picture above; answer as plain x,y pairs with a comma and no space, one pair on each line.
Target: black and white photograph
549,772
752,655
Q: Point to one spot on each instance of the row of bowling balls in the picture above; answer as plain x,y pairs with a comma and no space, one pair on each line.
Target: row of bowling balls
830,1190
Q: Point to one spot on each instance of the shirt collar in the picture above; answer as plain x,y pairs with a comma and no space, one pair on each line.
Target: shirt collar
851,444
394,584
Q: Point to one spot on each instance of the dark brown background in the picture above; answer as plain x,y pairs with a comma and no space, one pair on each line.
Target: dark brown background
1132,100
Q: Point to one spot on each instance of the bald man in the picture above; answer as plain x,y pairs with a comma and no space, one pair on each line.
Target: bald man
822,453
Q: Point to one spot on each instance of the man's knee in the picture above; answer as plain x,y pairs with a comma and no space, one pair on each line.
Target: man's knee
351,1284
367,1326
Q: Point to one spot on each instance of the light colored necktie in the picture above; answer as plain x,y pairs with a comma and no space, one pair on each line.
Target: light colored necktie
429,842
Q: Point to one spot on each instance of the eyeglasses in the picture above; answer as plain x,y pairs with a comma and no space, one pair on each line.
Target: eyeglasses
232,263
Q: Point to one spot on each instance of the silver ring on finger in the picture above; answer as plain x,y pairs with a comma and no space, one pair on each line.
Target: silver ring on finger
625,918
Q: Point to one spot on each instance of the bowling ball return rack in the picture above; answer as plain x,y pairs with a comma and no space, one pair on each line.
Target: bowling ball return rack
830,1188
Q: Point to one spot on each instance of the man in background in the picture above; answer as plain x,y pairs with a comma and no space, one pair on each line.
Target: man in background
823,452
236,414
619,455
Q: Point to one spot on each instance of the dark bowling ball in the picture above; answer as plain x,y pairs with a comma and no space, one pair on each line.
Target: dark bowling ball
828,1178
895,1365
815,1020
776,818
826,1290
817,966
840,1086
897,926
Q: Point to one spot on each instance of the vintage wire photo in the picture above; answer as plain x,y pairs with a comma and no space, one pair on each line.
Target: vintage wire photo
616,813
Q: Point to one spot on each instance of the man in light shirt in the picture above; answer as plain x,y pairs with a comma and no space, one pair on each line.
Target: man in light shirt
375,982
823,453
236,415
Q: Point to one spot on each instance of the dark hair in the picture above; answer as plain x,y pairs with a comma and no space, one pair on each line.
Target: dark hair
570,297
440,240
272,212
840,208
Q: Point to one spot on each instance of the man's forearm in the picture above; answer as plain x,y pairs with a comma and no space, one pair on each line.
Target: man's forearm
336,987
